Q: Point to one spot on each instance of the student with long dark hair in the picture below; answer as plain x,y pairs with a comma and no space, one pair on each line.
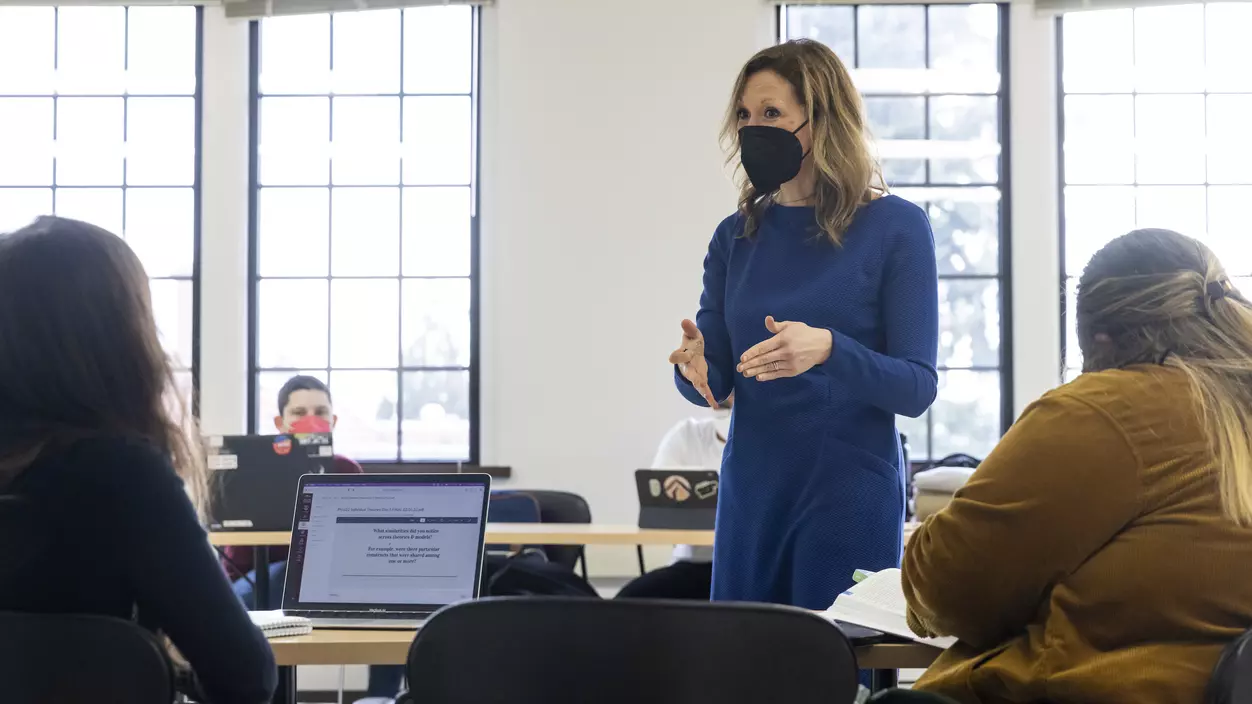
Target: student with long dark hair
110,475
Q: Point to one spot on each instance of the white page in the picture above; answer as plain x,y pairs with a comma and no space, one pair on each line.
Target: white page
878,602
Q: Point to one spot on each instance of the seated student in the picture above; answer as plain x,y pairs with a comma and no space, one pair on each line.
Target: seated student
302,400
304,404
692,444
111,476
1102,553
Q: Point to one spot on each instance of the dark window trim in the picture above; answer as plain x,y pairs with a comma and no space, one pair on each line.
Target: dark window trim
197,209
254,278
1060,194
1008,414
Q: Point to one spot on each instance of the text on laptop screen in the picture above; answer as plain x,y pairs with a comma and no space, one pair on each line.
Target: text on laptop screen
412,543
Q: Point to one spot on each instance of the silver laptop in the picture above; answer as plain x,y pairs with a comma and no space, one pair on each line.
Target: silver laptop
384,550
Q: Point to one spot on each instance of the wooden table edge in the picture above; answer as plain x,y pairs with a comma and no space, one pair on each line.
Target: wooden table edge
344,647
517,533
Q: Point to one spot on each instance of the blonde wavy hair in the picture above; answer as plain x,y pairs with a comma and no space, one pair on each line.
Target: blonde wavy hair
1157,297
848,175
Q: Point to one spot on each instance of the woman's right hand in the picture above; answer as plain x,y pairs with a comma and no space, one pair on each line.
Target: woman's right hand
689,357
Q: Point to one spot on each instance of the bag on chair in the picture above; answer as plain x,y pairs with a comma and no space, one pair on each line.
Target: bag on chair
530,574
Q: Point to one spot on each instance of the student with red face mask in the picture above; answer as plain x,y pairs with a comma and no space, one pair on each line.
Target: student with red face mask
304,406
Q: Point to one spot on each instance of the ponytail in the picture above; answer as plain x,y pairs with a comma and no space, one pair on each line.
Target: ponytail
1222,385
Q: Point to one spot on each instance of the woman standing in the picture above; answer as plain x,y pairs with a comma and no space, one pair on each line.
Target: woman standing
820,313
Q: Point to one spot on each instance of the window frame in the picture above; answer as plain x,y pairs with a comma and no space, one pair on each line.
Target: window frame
196,185
254,369
1004,273
1066,278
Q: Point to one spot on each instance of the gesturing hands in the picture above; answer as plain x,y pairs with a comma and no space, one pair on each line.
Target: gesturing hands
691,362
794,349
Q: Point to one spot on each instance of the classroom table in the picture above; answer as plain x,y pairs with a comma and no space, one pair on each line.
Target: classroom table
520,534
532,533
363,647
498,534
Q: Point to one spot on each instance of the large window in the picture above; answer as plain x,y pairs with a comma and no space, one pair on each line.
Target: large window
1157,108
364,243
98,122
933,80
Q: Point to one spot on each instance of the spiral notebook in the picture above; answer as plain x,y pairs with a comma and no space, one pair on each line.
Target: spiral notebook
275,625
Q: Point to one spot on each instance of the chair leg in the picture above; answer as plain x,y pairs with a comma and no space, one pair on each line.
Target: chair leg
287,690
261,589
643,569
880,680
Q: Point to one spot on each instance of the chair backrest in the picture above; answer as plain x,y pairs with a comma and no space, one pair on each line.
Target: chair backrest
562,507
557,650
511,507
1231,681
72,659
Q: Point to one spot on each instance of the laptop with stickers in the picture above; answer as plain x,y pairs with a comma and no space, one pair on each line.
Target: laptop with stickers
253,478
677,499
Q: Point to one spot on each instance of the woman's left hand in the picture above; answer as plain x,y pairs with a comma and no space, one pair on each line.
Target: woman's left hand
794,349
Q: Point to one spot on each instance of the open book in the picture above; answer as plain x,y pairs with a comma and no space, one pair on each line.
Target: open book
877,601
275,625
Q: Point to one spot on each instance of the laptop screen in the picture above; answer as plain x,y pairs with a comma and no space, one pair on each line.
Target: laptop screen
369,543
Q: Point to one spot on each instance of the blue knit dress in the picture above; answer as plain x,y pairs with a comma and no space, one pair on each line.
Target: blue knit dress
812,485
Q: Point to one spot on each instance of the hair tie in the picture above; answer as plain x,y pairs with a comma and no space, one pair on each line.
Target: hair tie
1217,289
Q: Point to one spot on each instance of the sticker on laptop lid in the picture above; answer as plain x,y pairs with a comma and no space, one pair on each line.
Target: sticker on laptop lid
325,451
677,488
706,488
220,462
282,445
311,438
237,523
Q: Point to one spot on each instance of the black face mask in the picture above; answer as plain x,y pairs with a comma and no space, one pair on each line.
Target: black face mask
771,156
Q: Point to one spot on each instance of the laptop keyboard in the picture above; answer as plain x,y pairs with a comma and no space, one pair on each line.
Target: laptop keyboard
372,615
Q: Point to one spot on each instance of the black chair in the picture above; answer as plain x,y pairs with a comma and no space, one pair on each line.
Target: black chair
1231,681
71,659
511,507
563,507
572,651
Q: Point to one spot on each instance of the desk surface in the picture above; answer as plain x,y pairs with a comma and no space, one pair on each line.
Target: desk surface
534,534
343,647
524,533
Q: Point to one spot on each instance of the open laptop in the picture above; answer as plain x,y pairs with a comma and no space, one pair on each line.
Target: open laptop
384,550
253,478
677,499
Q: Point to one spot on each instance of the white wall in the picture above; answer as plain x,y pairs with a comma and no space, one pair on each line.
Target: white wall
1035,204
602,181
